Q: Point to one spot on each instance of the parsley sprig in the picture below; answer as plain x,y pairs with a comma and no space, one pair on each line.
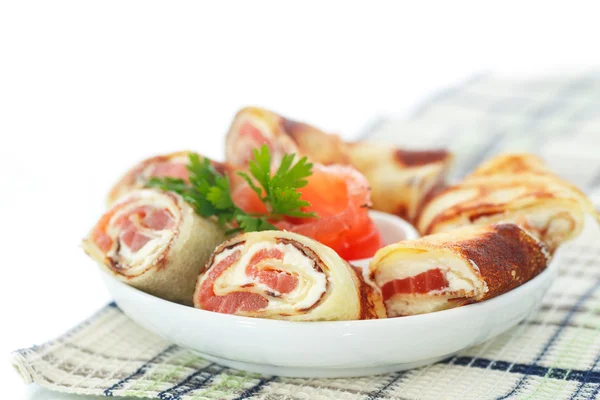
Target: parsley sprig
209,192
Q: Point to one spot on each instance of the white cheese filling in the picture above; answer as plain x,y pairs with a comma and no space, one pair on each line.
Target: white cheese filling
312,284
557,224
399,307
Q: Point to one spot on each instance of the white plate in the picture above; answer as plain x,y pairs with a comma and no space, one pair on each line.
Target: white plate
331,349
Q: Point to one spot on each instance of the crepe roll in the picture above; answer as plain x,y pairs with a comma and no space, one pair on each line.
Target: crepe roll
512,163
154,241
252,127
514,188
401,180
173,165
451,269
283,275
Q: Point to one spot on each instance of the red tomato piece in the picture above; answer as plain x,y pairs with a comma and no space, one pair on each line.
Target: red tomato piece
339,195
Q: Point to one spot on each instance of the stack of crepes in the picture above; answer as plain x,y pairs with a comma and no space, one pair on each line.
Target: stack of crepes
487,235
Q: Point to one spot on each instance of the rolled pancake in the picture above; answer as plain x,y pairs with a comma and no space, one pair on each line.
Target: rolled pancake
173,165
154,241
512,163
400,179
451,269
283,275
252,127
516,188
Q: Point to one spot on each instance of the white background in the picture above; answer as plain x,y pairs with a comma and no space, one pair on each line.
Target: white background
88,88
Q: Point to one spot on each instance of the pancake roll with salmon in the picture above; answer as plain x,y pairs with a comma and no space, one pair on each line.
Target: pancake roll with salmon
401,180
283,275
513,187
252,127
154,241
448,270
173,165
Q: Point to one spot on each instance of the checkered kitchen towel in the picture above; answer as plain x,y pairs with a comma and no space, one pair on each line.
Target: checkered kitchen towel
559,119
555,354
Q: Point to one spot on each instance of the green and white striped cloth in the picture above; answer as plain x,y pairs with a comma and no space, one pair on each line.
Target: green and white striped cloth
555,354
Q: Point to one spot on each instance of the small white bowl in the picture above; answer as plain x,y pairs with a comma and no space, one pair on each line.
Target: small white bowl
331,349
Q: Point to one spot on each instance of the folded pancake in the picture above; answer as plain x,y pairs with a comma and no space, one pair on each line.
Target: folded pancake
400,180
172,165
451,269
252,127
154,241
283,275
515,188
512,163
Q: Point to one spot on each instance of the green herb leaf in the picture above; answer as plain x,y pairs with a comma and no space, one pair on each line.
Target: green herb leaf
220,194
209,192
279,192
252,224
